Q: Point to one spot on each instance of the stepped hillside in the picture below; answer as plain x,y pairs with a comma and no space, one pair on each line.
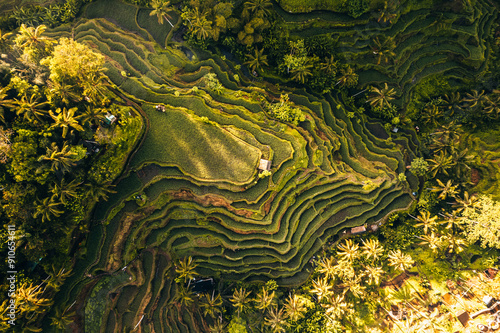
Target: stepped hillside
192,187
448,39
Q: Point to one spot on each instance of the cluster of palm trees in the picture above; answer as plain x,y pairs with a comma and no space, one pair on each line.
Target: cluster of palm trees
33,301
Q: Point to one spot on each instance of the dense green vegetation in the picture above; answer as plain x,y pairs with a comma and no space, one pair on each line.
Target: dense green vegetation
131,151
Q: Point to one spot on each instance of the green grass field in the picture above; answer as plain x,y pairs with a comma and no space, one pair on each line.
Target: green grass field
204,151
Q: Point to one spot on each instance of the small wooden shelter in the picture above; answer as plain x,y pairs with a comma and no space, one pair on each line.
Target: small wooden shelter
264,165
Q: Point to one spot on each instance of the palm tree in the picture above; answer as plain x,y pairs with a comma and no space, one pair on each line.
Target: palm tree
61,320
275,320
441,163
264,300
387,14
372,249
92,115
161,9
327,267
29,299
381,97
462,160
453,103
430,114
57,277
330,65
30,108
62,160
257,60
30,39
94,88
432,241
476,99
61,91
95,191
455,243
65,119
467,202
185,296
322,289
47,208
211,304
399,260
240,300
302,71
374,273
217,327
348,77
353,285
348,250
336,307
202,27
384,48
186,269
295,308
446,190
260,8
425,220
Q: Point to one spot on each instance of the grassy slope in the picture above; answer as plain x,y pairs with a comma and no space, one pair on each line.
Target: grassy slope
202,150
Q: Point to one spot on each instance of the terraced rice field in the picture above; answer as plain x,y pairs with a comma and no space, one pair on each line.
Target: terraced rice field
423,43
197,167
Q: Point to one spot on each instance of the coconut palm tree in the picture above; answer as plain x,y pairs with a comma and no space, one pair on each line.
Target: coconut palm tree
32,39
433,241
322,289
95,191
374,273
30,108
57,277
295,307
217,327
348,77
455,244
60,91
372,249
29,299
399,260
348,250
476,99
65,119
327,267
259,8
387,14
426,221
46,209
381,98
440,163
186,269
240,300
257,60
275,320
383,47
462,160
185,296
211,304
92,115
61,160
94,88
446,190
161,9
264,300
336,308
61,319
467,202
302,71
330,65
202,27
